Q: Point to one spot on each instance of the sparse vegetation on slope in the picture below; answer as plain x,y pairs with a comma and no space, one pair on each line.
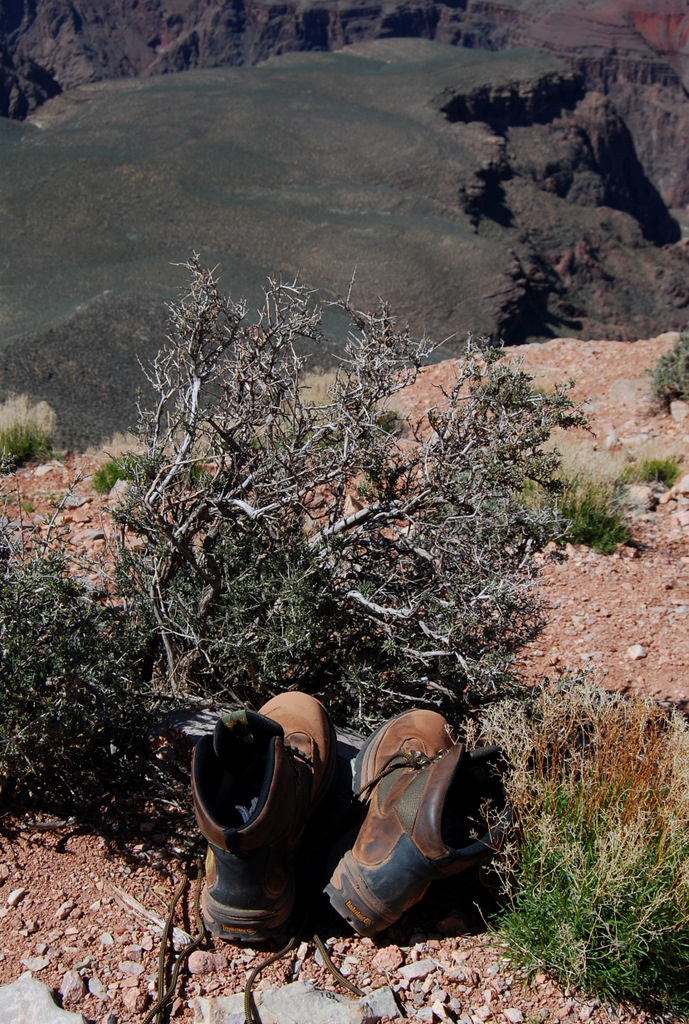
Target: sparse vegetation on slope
26,430
670,376
597,880
69,671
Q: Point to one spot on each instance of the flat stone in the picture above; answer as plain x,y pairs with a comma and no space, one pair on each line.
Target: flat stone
636,652
16,896
119,490
131,968
300,1002
513,1015
679,410
35,963
419,970
381,1002
97,988
27,1001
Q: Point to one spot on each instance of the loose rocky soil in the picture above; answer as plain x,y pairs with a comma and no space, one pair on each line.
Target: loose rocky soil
79,904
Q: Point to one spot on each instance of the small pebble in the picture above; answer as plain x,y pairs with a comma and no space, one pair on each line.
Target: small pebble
134,1000
96,988
64,910
514,1015
72,988
129,967
201,962
35,963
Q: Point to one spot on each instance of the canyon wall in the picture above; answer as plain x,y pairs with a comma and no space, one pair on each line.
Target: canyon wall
634,51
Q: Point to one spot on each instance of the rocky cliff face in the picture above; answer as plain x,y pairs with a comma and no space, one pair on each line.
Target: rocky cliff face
635,51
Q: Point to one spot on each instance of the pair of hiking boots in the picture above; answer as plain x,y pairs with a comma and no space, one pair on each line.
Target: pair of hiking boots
259,779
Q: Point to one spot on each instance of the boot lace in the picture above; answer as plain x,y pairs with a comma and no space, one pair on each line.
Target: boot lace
414,759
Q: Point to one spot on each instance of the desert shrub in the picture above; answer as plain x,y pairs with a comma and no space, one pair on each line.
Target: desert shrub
307,544
107,475
71,704
652,471
596,880
670,376
26,430
594,513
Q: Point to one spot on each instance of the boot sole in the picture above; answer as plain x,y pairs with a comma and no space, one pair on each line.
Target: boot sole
234,924
354,901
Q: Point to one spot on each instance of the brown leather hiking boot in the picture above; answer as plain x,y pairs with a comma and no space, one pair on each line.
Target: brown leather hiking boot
255,783
426,797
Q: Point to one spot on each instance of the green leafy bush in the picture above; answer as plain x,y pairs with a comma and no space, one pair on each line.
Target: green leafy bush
594,514
652,471
306,544
107,475
25,431
68,675
670,376
596,879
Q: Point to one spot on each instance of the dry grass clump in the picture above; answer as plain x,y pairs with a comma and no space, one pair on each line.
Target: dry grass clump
597,878
26,429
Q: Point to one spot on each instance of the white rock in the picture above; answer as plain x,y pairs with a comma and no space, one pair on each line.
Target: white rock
419,970
636,652
130,968
35,963
514,1015
28,1000
16,896
679,410
97,988
612,441
297,1001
